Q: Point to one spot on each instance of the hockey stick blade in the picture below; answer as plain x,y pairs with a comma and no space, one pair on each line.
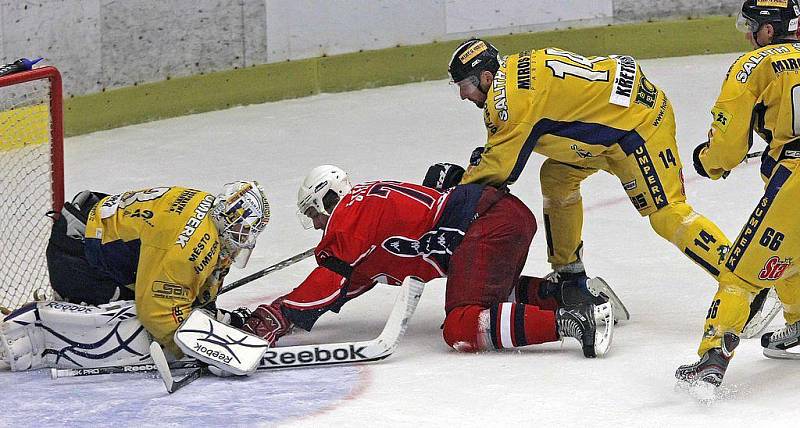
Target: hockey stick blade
170,382
352,352
160,361
190,376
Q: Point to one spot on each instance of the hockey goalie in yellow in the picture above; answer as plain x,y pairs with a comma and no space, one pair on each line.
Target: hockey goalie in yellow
168,248
585,114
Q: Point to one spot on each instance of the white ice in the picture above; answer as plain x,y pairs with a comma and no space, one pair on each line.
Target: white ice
395,133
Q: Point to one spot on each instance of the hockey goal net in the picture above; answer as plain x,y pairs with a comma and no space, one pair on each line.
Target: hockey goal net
31,179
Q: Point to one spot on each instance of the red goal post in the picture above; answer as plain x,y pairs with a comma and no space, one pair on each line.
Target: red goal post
31,179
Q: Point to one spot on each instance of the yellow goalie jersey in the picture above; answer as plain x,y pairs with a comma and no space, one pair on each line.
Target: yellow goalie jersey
761,93
163,244
570,108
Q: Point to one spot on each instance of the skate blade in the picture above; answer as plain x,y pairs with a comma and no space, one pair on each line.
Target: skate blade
599,286
604,318
772,305
781,354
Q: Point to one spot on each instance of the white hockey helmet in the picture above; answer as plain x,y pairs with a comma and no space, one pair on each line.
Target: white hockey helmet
321,190
240,212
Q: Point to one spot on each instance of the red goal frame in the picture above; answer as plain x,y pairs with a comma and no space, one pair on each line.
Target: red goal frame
57,124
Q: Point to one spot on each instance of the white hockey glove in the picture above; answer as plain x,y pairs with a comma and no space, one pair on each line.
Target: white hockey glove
65,335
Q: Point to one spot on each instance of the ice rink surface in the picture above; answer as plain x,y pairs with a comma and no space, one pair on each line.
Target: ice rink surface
395,133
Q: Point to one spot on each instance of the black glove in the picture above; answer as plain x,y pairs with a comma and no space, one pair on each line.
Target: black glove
475,157
698,166
442,176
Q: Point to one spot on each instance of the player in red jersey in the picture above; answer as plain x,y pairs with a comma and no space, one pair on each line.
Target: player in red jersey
476,235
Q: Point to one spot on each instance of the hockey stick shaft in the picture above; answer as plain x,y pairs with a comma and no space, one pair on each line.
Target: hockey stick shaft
130,368
266,271
746,159
305,355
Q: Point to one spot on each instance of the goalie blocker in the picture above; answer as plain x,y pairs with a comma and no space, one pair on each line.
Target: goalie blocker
219,345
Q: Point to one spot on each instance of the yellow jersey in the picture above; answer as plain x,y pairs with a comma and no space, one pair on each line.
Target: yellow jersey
162,243
761,93
567,107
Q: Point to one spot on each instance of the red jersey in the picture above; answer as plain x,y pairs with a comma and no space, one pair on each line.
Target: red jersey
384,231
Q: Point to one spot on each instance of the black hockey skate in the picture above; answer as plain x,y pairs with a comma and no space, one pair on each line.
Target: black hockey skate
593,326
711,367
570,289
578,322
575,289
778,343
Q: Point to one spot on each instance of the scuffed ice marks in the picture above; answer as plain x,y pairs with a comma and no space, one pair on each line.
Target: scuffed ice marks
140,399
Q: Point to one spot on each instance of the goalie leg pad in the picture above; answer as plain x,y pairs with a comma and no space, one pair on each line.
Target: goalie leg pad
65,335
210,341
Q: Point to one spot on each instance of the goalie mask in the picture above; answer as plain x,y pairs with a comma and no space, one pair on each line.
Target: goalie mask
321,190
240,213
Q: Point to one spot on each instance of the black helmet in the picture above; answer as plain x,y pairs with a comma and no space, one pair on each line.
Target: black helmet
782,14
471,58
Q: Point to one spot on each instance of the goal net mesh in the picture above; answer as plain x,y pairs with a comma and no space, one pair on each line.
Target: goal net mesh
26,186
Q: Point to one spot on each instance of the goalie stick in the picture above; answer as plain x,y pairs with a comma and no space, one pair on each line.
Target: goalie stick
267,270
324,354
172,385
302,355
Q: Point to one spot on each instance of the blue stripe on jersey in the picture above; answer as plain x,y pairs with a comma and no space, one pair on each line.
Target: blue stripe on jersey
494,326
767,164
748,233
699,260
118,259
585,132
519,325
